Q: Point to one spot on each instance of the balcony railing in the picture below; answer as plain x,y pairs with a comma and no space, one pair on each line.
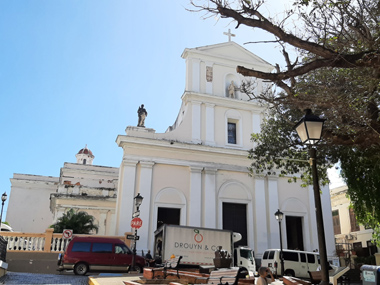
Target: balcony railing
44,242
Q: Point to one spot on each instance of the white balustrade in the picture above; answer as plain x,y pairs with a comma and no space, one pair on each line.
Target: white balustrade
44,242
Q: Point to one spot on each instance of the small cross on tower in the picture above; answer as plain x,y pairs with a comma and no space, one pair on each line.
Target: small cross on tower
229,34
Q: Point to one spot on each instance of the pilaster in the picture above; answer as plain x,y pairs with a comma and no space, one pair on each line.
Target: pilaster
210,124
210,198
126,191
196,122
273,206
312,220
261,215
195,208
145,183
196,63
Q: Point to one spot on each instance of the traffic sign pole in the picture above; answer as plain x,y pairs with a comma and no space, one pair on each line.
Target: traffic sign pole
136,223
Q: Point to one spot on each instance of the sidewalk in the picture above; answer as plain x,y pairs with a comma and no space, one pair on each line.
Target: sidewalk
112,278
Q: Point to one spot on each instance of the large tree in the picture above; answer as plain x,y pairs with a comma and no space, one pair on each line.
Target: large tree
333,69
338,36
78,221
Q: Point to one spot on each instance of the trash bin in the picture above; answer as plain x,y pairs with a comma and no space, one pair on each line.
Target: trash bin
370,274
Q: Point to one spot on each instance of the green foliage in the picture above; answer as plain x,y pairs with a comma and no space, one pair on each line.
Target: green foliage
78,221
361,171
279,151
346,99
370,260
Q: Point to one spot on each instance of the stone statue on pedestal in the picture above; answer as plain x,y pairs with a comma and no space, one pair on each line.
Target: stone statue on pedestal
142,115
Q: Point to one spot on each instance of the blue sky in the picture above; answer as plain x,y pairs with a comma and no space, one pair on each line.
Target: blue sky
75,72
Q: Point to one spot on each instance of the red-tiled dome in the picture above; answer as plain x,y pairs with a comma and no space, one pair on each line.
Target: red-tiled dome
85,151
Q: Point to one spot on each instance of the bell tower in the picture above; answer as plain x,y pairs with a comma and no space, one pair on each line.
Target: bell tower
85,156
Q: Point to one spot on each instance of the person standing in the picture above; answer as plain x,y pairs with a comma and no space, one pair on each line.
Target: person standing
263,279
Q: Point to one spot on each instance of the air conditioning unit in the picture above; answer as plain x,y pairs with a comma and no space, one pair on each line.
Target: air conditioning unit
349,237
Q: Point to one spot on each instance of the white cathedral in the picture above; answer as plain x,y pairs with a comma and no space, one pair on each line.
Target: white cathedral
194,174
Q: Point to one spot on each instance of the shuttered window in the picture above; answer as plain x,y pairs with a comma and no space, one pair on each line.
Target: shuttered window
336,222
354,224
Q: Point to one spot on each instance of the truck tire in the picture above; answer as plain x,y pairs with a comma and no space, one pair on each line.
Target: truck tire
243,272
80,268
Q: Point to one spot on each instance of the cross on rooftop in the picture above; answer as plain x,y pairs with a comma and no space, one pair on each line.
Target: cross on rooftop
229,34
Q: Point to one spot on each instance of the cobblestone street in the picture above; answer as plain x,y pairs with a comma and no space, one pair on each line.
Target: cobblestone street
33,278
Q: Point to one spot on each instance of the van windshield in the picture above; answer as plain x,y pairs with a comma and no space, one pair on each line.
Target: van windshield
122,249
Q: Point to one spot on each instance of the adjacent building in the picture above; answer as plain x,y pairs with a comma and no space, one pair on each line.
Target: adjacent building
36,202
352,239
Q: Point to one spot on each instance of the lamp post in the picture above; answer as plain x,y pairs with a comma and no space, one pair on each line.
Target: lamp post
279,215
138,200
3,199
309,129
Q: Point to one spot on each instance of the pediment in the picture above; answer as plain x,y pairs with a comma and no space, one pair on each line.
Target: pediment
229,51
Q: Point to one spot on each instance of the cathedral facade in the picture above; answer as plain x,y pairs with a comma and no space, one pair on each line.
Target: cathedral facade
194,174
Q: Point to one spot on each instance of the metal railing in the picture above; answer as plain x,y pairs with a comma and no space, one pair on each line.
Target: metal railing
3,249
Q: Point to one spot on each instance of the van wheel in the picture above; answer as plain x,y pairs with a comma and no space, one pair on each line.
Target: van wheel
137,268
289,273
81,268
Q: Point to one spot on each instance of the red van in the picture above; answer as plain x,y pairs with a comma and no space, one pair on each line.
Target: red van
85,254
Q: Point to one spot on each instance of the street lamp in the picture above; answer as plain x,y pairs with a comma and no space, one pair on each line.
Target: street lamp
3,199
279,215
138,200
309,129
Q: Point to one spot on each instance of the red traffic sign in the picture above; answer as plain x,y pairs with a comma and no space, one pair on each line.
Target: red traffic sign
67,233
136,223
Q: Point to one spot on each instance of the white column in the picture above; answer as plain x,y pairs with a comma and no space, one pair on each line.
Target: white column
312,221
261,216
256,124
327,220
196,122
102,222
195,205
196,63
145,190
188,72
59,213
125,195
273,206
110,222
210,124
251,219
210,198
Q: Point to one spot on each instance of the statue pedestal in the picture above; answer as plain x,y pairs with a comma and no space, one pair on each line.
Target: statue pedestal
139,131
